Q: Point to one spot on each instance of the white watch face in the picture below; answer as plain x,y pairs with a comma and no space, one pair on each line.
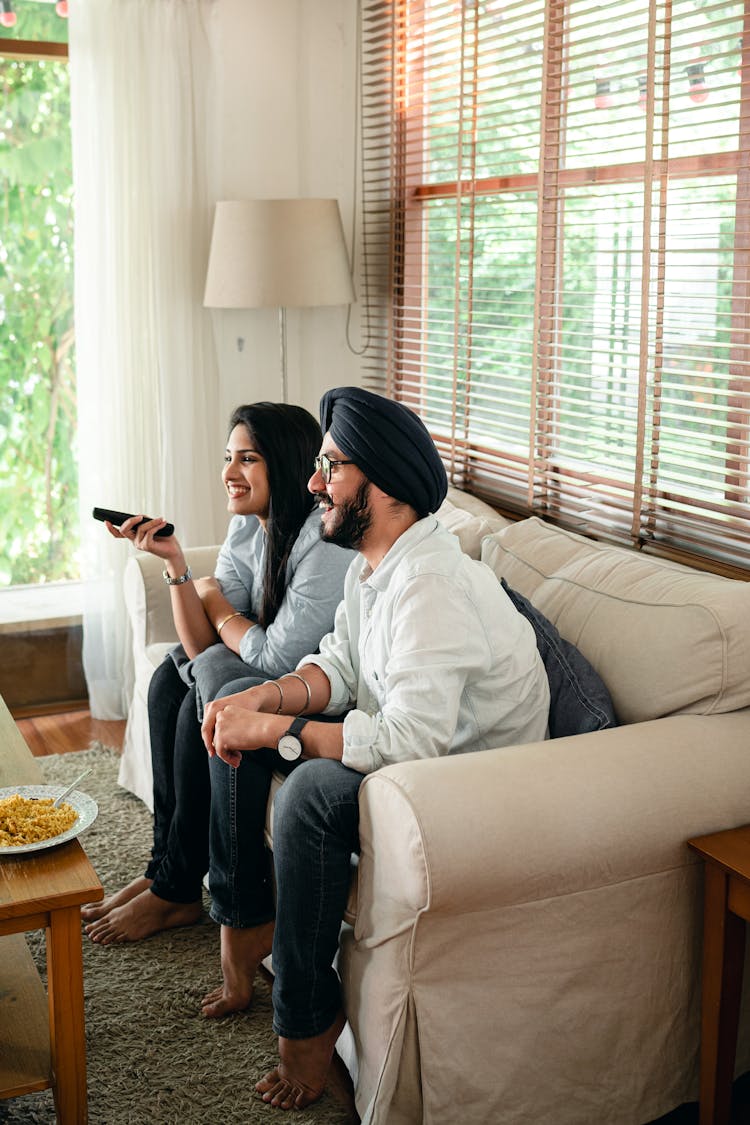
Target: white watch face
289,747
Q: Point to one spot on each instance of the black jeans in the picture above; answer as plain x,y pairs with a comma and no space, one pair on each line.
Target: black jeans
201,804
179,856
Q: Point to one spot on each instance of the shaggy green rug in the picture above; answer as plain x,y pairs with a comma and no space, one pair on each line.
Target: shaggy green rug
152,1059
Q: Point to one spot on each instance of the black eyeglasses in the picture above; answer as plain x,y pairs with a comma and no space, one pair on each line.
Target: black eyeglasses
324,465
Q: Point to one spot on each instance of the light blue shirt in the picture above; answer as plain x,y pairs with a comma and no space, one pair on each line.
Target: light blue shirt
315,582
432,655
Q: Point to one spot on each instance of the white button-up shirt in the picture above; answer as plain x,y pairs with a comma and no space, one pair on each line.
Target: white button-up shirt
431,655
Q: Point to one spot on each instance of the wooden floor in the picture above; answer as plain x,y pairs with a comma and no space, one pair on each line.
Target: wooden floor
73,730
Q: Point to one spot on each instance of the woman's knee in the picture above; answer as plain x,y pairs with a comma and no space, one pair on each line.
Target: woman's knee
165,684
188,728
235,686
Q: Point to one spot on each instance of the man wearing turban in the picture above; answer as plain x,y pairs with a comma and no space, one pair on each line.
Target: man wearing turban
427,657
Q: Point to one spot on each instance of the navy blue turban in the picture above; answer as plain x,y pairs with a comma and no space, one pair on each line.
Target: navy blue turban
389,443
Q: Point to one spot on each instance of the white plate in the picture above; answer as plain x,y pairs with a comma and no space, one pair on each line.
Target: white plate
84,805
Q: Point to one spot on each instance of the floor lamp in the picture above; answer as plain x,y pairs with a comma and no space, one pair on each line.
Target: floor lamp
278,252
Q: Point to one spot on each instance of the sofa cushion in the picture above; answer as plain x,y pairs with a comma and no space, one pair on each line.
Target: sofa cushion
664,638
154,654
470,519
578,698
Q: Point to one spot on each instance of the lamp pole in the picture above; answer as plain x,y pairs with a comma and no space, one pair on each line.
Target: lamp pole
282,348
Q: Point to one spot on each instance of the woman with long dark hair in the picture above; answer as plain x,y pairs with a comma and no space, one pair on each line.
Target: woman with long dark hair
271,599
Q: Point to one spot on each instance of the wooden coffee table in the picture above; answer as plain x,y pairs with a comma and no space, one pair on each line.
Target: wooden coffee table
42,1038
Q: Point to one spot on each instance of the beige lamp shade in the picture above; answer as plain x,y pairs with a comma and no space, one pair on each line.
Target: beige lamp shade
283,252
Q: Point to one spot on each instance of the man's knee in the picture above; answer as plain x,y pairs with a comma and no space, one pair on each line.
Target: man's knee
316,792
308,782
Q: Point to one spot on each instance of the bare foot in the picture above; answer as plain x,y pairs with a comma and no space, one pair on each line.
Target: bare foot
94,910
300,1077
142,916
241,953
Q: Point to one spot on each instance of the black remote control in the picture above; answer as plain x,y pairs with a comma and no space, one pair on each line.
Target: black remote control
118,518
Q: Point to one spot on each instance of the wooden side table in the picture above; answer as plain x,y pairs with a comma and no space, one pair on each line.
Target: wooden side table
726,910
42,1038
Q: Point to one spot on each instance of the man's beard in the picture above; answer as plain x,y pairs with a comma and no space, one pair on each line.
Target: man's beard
353,520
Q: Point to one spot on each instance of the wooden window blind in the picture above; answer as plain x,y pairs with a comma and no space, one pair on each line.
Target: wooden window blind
557,220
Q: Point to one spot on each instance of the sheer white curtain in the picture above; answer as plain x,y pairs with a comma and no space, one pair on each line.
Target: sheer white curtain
149,432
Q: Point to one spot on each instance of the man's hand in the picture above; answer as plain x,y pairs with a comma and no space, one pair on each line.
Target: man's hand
237,729
259,698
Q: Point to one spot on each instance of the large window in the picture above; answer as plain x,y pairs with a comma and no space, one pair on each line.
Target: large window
559,193
38,471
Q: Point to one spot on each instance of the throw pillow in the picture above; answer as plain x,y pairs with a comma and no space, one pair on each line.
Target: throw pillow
579,700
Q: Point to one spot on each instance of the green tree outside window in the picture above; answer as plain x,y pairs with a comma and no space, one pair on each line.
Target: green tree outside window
38,469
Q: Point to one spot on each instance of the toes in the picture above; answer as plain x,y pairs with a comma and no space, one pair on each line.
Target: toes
293,1099
284,1099
212,997
104,936
285,1093
278,1092
268,1082
105,932
218,1008
214,1007
224,1001
91,913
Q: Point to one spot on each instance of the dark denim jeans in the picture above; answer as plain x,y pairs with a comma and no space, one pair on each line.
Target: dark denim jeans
315,833
240,874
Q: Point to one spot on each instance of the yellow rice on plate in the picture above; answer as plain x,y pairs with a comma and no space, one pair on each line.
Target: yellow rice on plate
24,821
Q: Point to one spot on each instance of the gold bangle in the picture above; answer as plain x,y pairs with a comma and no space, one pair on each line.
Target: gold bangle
221,624
307,686
276,684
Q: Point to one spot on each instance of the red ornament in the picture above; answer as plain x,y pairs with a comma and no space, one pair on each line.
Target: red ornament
61,7
697,89
602,84
602,95
7,15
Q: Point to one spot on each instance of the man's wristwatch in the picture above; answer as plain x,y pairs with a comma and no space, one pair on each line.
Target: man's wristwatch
289,745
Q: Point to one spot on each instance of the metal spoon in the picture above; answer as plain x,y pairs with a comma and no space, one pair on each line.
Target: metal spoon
70,788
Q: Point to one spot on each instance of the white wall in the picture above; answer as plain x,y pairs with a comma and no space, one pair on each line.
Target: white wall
285,126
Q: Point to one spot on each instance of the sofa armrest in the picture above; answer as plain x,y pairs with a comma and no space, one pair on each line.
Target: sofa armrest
147,595
526,823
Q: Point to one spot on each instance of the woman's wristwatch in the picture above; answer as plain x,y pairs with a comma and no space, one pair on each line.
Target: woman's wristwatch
290,745
177,581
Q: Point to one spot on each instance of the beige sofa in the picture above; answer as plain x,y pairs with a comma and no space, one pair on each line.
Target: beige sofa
525,932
